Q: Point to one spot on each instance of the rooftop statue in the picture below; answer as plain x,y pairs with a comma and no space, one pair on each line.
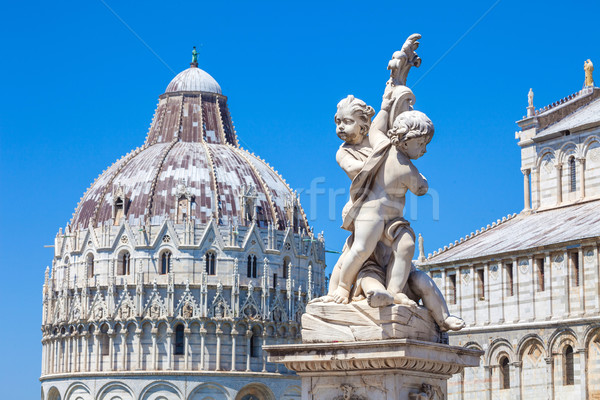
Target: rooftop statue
530,98
376,262
589,69
194,56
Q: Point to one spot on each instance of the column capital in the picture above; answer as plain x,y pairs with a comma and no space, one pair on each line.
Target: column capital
517,364
526,171
558,166
549,360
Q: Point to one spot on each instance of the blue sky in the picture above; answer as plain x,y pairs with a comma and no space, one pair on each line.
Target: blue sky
80,89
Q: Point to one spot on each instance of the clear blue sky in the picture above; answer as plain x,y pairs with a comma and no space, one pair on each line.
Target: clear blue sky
79,91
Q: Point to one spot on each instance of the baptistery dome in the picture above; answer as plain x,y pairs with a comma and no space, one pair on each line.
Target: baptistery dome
181,260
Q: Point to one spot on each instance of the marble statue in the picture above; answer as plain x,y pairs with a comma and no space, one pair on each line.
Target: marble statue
194,56
376,262
589,69
530,98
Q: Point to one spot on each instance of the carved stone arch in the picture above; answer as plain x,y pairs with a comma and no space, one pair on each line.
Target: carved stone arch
79,389
473,345
558,338
204,390
111,389
546,160
590,140
54,394
292,392
566,150
258,390
497,348
159,388
528,340
123,267
590,333
165,249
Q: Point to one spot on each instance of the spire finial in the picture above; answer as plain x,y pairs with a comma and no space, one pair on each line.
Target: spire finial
194,63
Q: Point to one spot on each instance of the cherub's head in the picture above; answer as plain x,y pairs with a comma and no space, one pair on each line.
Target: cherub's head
411,132
353,119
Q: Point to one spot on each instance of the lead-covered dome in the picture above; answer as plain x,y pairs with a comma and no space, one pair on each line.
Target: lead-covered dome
191,154
194,79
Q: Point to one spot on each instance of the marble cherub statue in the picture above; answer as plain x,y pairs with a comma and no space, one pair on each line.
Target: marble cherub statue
353,122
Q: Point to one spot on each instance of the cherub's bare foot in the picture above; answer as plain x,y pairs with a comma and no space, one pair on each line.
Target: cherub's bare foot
453,323
379,298
401,298
340,295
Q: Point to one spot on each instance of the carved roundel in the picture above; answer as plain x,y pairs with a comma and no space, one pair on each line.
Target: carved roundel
166,238
124,239
287,246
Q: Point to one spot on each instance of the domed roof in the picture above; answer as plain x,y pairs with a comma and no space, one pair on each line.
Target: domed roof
193,79
191,152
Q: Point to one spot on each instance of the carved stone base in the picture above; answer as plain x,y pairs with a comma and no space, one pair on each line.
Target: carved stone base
401,369
357,321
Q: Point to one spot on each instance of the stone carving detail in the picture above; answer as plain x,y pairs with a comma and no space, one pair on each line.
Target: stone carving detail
124,239
494,272
589,256
427,392
378,155
558,261
348,393
524,266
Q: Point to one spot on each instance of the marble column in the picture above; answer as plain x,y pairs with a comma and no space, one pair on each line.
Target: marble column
154,349
263,353
581,170
202,350
558,183
535,187
186,350
549,377
581,278
76,351
218,333
86,350
169,349
138,346
488,373
123,349
516,388
548,273
583,372
516,288
248,349
567,283
111,350
234,334
97,348
527,187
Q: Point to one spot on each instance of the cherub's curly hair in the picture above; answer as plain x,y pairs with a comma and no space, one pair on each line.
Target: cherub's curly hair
410,125
365,112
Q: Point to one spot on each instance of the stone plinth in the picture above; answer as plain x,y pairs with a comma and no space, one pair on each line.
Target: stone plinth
357,321
398,369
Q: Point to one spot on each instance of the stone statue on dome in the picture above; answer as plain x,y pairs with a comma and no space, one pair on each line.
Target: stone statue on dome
194,57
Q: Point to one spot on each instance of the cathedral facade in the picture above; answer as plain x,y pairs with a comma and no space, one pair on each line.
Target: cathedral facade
528,284
181,260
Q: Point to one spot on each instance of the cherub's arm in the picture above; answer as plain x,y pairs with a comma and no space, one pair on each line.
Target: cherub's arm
379,126
348,163
416,182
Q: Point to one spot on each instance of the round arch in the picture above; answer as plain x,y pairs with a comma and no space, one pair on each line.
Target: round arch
78,390
114,389
255,391
53,394
160,389
209,390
